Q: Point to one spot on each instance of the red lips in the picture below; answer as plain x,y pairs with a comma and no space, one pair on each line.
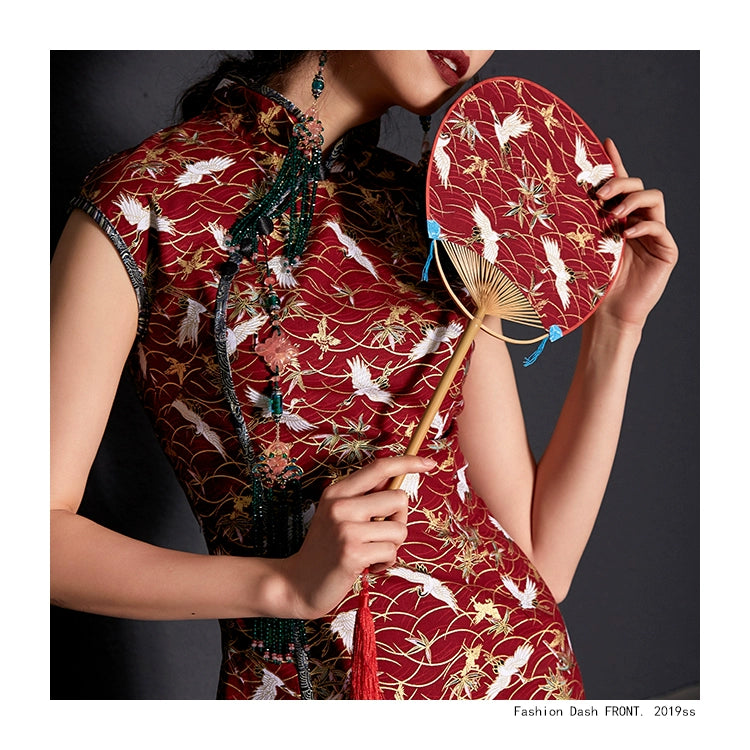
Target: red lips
451,64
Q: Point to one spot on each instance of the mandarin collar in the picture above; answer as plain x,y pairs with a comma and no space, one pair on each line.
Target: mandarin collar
259,108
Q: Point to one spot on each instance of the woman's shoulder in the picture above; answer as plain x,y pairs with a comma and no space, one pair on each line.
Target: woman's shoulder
163,158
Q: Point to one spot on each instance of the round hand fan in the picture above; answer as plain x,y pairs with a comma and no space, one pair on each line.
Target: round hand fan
511,184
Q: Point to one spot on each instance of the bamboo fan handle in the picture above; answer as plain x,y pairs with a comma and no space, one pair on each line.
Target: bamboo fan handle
462,349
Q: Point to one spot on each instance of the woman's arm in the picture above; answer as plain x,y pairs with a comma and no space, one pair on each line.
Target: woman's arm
549,509
93,323
94,569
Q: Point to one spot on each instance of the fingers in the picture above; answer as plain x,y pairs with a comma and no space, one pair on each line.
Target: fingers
344,539
376,475
363,508
648,204
615,158
366,487
662,244
619,186
644,216
628,195
361,541
382,551
345,519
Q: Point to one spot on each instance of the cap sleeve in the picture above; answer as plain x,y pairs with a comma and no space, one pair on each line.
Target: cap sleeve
118,195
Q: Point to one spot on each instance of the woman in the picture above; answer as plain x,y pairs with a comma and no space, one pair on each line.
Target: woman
448,598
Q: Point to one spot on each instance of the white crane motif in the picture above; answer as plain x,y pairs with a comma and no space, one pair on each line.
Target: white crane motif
270,683
433,338
558,268
511,666
352,249
236,335
363,383
497,525
201,428
262,402
307,515
220,235
428,586
188,330
410,485
612,246
442,159
590,174
142,217
462,486
280,268
512,126
343,626
195,172
526,597
487,234
438,424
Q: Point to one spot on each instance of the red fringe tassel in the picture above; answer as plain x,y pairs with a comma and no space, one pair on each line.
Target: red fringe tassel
365,685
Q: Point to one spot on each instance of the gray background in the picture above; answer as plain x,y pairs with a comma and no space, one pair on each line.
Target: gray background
633,610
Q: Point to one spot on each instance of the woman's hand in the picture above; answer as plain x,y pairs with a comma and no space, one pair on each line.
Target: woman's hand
649,253
344,538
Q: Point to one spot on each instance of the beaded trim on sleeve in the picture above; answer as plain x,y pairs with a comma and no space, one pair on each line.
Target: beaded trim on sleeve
134,273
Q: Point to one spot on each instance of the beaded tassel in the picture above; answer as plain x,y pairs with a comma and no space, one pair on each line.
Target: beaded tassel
275,467
274,474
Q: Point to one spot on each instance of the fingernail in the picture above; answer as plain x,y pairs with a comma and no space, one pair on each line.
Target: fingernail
430,463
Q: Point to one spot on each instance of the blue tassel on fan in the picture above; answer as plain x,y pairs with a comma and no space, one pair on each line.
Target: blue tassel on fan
433,232
554,334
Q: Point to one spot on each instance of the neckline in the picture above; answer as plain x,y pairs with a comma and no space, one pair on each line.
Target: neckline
277,97
355,141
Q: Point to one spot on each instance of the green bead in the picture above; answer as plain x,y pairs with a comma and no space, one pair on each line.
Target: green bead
277,404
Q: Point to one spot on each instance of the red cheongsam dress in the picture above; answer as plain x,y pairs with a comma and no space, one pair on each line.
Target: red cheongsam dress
462,614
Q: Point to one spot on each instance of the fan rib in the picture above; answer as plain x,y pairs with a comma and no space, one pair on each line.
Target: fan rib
490,288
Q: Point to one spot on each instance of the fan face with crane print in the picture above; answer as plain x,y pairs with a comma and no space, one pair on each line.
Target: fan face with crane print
512,176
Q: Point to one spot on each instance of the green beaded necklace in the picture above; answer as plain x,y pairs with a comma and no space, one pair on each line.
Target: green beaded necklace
275,476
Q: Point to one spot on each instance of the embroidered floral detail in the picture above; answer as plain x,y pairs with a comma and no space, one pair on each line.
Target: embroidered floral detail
277,351
276,464
310,134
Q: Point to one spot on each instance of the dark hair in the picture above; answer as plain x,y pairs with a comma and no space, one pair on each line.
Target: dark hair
259,66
